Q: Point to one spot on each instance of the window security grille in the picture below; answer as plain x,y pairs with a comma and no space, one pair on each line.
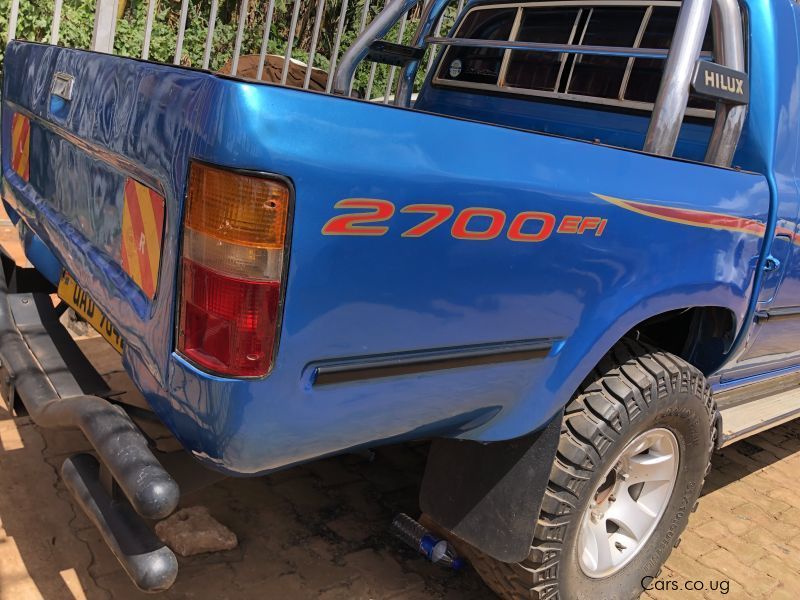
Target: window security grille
617,81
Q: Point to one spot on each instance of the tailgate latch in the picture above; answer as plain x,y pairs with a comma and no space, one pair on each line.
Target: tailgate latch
62,86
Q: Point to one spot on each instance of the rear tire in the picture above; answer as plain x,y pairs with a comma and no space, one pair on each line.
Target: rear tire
635,392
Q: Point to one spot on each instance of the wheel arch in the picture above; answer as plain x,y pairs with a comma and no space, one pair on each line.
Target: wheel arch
698,325
700,335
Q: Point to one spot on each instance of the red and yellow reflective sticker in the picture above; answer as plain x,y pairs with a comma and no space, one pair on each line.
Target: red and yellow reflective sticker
142,229
21,146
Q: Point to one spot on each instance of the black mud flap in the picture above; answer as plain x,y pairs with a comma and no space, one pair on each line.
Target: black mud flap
489,495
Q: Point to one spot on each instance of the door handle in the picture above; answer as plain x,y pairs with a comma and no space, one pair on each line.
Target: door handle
771,264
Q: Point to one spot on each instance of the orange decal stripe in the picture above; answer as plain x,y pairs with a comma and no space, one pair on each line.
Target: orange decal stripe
686,216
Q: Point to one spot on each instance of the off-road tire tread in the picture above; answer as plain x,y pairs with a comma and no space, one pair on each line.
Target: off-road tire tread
614,394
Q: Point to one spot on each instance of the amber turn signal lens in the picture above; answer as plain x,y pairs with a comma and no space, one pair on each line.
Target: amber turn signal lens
236,208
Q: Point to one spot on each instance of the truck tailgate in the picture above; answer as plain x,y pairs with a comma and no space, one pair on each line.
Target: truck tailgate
108,143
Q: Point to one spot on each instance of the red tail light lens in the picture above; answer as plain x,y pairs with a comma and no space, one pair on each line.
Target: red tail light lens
232,266
228,324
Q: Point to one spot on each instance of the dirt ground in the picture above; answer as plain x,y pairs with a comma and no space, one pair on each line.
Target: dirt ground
320,530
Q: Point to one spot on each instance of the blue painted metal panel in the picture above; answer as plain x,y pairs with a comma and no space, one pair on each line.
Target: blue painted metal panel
587,122
772,145
356,296
40,255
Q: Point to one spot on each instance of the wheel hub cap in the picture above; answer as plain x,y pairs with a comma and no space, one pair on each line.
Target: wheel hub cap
627,506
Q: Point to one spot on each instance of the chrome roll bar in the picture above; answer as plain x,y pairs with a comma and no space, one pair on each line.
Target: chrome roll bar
430,16
729,50
380,26
673,94
656,53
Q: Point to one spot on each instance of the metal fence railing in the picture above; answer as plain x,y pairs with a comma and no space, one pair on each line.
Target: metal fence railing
286,36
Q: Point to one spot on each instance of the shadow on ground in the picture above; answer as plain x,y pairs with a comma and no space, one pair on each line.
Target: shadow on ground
750,455
316,531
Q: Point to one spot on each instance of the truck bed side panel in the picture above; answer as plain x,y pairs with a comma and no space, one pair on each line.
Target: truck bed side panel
676,234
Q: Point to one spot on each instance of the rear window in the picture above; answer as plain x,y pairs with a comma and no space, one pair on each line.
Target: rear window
610,80
480,65
601,76
541,70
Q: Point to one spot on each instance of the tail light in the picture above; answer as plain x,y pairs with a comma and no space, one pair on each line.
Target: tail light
232,266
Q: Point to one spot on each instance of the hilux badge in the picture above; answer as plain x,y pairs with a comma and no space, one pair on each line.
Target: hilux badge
720,83
455,68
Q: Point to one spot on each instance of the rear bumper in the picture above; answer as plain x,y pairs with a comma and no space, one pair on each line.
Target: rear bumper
34,372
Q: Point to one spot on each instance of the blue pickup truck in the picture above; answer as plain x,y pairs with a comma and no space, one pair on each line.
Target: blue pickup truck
572,263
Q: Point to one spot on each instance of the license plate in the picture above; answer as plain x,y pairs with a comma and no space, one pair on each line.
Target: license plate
76,297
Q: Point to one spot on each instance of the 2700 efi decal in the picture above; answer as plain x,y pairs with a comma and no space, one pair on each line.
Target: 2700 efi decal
372,216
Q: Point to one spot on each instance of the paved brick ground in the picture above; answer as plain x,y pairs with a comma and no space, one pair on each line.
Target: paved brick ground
319,531
747,527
